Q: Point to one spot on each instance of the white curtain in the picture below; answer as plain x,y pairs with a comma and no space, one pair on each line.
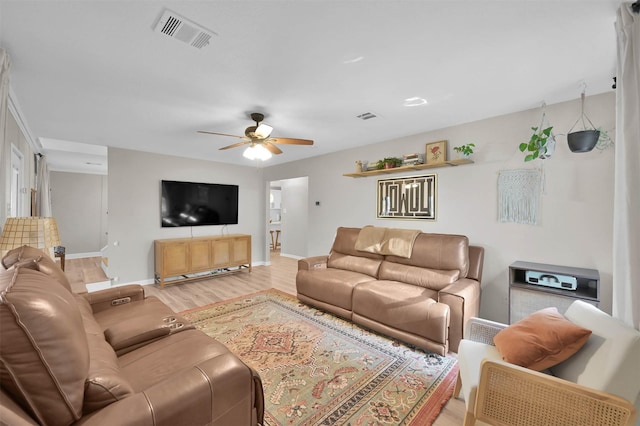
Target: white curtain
626,204
43,189
5,65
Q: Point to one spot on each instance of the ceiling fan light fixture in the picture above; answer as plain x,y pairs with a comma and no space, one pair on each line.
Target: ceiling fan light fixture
257,152
263,131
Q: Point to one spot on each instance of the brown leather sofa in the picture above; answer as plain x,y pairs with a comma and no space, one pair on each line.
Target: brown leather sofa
425,299
113,357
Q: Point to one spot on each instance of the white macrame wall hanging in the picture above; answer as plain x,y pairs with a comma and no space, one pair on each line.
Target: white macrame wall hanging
519,196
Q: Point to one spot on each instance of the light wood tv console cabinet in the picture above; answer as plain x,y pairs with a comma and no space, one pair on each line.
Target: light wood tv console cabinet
185,259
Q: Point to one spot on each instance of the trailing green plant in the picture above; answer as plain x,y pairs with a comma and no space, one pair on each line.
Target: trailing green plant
605,140
464,149
537,145
392,161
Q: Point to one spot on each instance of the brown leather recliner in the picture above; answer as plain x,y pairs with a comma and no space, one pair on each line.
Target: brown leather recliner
90,360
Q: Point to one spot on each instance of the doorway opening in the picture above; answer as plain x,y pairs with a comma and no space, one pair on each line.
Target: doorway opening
287,218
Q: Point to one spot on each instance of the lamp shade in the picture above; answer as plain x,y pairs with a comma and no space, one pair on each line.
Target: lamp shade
257,151
39,232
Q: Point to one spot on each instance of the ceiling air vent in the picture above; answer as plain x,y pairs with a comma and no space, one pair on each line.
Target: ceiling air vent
366,116
184,30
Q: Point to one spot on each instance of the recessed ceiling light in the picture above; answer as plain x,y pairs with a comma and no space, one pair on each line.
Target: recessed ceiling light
415,101
353,60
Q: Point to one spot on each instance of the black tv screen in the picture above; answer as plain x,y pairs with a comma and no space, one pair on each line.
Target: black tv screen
197,204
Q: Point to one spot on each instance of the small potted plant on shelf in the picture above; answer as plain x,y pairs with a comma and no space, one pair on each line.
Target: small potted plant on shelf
464,151
540,144
389,163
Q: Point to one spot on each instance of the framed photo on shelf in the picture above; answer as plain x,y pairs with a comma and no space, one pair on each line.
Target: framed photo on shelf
436,152
412,197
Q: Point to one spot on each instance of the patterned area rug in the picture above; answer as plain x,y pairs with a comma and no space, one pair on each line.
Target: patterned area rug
318,369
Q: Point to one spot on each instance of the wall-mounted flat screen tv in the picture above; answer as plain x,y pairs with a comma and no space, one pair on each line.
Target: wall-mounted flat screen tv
197,204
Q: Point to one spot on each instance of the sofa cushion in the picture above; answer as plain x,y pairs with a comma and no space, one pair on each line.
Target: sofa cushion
91,326
48,358
540,340
402,306
359,264
332,286
442,252
428,278
105,383
155,362
392,241
345,243
41,262
609,359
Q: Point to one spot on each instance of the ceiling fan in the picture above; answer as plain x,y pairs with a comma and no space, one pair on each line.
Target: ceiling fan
261,145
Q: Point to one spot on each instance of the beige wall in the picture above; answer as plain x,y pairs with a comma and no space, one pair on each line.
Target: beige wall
78,202
576,214
134,207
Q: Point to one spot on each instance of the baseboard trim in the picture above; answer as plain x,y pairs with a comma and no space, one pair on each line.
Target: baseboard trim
83,255
292,256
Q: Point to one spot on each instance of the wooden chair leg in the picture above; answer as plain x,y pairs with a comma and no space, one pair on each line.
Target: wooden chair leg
469,419
458,388
277,246
273,244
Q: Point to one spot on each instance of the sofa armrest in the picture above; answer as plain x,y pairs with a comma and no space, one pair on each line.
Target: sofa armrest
463,297
315,262
219,391
482,330
105,299
508,393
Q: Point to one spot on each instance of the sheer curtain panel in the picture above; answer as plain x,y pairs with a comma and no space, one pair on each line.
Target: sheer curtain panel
43,200
626,204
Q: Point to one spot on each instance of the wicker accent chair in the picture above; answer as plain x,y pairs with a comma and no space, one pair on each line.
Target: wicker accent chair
597,386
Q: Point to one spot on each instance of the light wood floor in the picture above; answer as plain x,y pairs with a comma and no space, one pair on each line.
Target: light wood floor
280,275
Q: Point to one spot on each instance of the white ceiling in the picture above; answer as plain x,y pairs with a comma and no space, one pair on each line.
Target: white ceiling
96,72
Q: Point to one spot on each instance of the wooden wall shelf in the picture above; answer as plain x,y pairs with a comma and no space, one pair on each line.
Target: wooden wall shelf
450,163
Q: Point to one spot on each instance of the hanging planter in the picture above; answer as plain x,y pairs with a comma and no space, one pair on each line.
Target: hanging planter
542,142
583,140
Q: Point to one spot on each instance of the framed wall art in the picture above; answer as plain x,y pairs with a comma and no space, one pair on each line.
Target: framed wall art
436,152
413,197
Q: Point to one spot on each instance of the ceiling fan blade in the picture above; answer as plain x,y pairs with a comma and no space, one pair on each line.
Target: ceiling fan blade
235,145
290,141
220,134
272,148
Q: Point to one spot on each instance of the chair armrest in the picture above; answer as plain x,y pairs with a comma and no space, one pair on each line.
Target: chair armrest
508,393
105,299
482,330
315,262
218,391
